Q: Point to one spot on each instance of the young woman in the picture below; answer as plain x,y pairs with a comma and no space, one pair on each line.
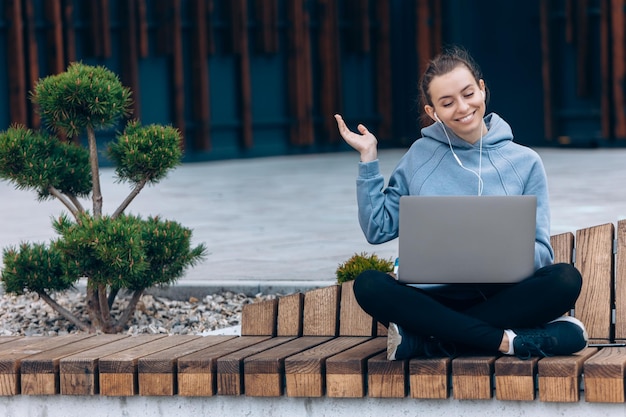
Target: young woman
464,152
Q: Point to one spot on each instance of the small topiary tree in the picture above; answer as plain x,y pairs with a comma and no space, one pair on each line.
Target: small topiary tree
358,263
113,252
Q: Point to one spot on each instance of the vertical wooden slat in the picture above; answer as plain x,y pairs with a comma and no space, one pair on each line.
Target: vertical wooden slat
239,29
605,69
32,58
290,311
259,319
299,70
546,66
359,29
569,21
142,28
330,99
266,12
353,321
69,31
384,99
321,311
162,38
17,74
176,60
54,38
423,34
582,49
200,76
594,260
619,66
128,47
620,282
563,246
210,29
105,28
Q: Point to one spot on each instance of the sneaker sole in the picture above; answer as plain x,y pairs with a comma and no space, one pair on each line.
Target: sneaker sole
393,341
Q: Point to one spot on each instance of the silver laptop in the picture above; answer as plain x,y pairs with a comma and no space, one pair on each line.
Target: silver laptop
466,239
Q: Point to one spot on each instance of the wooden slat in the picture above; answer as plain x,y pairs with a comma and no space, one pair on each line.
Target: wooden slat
32,57
385,378
177,62
346,372
563,246
54,37
267,17
471,377
230,375
105,28
79,373
546,68
605,69
69,31
142,28
200,77
429,378
197,371
160,371
384,99
40,372
259,319
353,320
299,80
359,27
118,371
240,24
618,52
515,378
321,311
582,49
329,75
264,373
560,376
17,86
290,313
305,374
129,52
620,282
423,34
604,376
594,260
13,352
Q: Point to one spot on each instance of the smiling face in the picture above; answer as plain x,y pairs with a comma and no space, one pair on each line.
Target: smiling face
458,100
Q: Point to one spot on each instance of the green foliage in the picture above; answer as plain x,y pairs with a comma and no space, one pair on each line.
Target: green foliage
127,251
38,161
145,153
358,263
83,96
34,267
112,252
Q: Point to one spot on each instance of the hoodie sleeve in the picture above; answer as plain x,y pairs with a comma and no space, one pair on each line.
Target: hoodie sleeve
537,184
378,206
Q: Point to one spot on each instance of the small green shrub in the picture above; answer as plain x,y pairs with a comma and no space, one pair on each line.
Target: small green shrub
358,263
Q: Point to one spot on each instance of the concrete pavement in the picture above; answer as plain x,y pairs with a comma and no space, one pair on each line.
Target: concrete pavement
286,223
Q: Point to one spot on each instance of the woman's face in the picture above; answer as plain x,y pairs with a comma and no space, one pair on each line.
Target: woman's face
459,103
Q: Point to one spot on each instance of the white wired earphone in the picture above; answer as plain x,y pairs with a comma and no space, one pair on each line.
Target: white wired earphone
480,156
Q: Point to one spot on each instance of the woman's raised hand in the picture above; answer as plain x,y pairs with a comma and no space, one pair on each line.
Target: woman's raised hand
365,143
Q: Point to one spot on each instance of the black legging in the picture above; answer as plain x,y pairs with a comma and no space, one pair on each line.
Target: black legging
478,322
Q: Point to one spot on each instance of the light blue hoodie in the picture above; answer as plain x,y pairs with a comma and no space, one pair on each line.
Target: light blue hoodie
429,168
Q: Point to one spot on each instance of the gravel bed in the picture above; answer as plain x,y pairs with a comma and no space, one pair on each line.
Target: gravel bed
28,315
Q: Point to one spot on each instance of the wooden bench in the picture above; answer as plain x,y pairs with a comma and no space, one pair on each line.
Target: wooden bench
321,344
